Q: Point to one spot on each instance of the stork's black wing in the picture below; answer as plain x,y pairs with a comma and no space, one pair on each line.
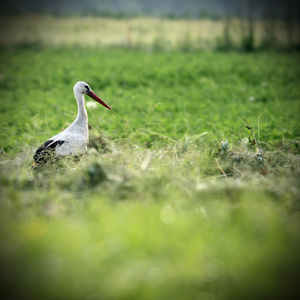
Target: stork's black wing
45,152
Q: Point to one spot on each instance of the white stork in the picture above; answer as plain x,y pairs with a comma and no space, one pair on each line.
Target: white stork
74,139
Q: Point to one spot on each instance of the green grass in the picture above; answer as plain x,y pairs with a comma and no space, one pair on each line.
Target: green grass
149,213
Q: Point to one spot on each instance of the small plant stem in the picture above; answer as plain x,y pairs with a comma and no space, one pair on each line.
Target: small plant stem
258,152
258,124
221,169
250,128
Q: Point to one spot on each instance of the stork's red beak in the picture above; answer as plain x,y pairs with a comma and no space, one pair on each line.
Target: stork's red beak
95,97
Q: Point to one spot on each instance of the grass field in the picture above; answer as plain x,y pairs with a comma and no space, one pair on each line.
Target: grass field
170,201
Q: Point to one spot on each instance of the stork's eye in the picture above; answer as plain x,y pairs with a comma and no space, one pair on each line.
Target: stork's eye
87,87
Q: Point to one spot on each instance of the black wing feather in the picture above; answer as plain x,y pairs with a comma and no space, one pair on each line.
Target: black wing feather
45,152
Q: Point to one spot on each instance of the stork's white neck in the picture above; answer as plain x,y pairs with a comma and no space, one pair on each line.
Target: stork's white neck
82,118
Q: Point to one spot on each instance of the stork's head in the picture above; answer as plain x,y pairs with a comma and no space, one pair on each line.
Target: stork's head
83,88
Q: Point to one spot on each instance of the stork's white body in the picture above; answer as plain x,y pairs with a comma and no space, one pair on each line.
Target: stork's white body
74,139
74,143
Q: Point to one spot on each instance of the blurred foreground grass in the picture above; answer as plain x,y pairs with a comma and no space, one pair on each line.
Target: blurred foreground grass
148,213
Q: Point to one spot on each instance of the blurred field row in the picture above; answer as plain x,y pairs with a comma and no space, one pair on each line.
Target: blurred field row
149,33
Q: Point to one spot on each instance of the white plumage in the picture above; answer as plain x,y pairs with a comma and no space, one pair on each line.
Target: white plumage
74,139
